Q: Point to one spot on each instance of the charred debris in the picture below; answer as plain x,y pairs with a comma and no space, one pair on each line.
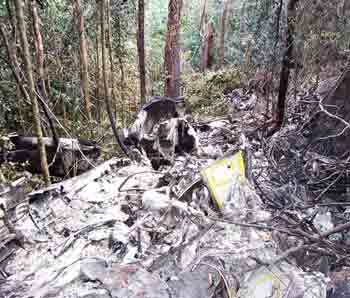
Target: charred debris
200,209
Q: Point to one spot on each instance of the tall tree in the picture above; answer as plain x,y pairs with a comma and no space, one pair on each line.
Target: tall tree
172,65
286,65
99,71
120,44
21,87
41,89
39,47
84,71
242,22
207,46
203,15
30,81
110,51
141,49
206,31
103,27
223,32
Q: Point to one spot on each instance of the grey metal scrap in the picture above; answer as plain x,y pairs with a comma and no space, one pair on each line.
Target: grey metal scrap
159,131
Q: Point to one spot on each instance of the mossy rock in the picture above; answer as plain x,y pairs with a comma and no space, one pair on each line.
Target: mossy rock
204,92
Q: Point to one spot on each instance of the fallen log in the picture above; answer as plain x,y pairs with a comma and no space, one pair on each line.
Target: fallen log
74,155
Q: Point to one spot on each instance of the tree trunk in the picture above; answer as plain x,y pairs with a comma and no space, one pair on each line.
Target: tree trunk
41,89
84,72
286,63
12,17
203,16
110,54
222,33
141,49
99,72
105,75
30,81
207,46
172,50
16,72
39,48
242,22
206,31
278,26
122,75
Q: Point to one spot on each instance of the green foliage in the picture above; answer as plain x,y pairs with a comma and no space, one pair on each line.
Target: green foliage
204,93
156,27
251,25
3,9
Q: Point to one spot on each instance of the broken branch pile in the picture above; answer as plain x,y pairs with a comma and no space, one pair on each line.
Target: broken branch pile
304,181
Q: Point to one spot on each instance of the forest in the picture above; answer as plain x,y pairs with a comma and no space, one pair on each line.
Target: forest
176,149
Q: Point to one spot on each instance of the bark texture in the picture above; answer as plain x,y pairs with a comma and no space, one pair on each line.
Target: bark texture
39,48
286,64
207,46
99,71
84,72
206,30
141,49
40,86
172,50
203,15
223,32
110,53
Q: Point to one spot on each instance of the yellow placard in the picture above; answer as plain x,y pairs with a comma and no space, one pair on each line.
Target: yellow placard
219,176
